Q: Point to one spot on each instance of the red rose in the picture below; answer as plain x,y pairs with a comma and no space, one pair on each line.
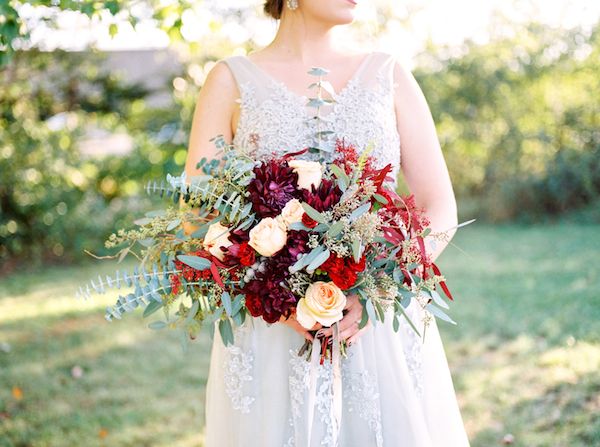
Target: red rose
246,254
308,221
342,275
345,280
357,266
334,264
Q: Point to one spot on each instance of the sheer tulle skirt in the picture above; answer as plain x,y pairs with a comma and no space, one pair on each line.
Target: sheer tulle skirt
396,390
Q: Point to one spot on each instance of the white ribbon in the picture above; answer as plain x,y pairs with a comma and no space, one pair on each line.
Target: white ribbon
336,405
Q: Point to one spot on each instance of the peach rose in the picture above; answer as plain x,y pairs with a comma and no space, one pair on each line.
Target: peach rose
216,237
323,303
268,237
292,212
309,172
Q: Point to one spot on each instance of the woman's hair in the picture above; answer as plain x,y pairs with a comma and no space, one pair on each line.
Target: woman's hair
274,8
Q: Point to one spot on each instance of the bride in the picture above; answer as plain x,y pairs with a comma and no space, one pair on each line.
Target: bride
396,388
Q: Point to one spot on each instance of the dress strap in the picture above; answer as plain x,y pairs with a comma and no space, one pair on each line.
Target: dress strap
378,69
246,76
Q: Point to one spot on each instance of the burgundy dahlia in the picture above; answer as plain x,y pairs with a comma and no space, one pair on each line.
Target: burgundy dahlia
267,295
297,242
324,197
268,298
274,184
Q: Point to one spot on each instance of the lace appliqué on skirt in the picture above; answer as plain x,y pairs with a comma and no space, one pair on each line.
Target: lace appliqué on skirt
237,371
360,393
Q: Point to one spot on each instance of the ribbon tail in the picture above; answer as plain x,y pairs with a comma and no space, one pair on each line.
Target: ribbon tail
312,388
337,403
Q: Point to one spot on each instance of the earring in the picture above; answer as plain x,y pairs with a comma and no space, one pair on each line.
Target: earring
292,4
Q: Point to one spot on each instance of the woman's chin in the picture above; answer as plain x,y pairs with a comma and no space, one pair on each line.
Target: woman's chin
344,18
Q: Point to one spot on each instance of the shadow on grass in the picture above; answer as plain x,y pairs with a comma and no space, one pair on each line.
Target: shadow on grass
137,386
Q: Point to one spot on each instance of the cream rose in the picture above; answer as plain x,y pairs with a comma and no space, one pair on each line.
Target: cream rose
292,212
216,237
323,303
309,172
268,237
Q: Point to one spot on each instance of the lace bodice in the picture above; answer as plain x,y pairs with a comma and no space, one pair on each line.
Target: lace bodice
275,120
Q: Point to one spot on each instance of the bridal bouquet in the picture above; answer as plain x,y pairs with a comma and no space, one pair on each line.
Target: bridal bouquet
275,238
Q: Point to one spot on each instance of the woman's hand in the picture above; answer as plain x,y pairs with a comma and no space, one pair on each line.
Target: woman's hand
293,323
348,325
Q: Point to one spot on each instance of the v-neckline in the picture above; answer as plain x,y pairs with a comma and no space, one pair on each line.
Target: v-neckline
284,86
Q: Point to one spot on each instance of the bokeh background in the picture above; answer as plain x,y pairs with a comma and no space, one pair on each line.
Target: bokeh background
96,98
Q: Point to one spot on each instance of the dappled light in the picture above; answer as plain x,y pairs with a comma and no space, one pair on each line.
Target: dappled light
97,100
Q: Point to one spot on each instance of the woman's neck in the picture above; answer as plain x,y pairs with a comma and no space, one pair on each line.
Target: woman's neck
305,42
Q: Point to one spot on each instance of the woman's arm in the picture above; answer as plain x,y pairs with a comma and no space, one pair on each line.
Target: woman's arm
214,110
423,163
426,174
215,106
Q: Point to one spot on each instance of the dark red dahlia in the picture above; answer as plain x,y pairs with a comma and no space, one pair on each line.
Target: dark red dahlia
324,197
274,184
297,242
254,305
267,298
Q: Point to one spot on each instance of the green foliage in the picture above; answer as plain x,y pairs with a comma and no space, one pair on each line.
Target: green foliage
15,31
518,120
54,200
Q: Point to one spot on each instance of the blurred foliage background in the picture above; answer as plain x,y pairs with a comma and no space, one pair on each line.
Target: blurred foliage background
517,117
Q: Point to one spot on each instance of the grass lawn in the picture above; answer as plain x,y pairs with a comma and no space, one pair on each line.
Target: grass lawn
525,355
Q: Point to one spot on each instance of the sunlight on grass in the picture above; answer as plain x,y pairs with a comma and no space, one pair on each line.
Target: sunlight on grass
524,356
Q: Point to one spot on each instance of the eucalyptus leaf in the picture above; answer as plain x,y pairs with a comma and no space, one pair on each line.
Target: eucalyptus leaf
318,71
195,262
380,198
438,299
412,325
306,259
173,224
339,173
192,312
227,304
156,325
380,311
439,313
335,229
318,261
364,317
314,214
356,249
142,221
298,226
316,102
371,310
359,211
152,307
226,331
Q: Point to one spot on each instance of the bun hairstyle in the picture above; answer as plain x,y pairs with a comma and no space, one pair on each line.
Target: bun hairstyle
274,8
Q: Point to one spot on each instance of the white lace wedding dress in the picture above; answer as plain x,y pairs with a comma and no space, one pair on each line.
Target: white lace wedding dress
396,390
